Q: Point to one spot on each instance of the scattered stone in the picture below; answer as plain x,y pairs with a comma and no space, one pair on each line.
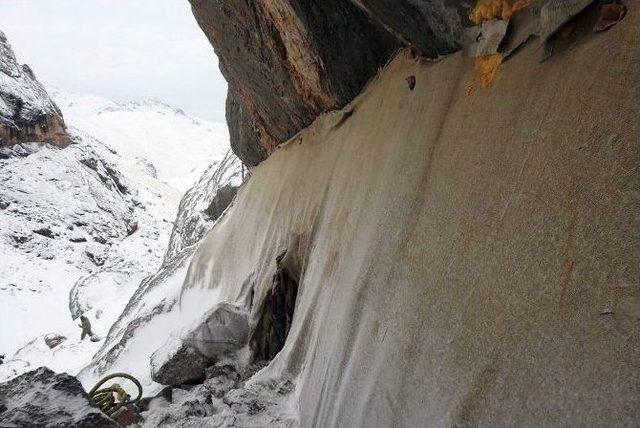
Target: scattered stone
47,399
132,227
4,205
53,339
96,259
221,379
46,232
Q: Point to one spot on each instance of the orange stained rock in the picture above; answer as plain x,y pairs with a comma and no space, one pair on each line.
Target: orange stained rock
486,68
486,10
468,89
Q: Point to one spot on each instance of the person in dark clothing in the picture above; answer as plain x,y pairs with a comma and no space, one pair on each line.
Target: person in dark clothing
85,325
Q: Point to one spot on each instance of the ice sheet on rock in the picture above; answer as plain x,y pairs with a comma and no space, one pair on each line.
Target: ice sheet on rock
555,13
441,241
485,39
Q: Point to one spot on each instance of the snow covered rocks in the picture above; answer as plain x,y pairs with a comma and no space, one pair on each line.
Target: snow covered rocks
53,339
224,329
177,363
46,399
27,114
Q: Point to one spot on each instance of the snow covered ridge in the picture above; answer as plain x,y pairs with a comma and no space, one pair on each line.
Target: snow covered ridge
153,308
177,146
27,113
76,235
205,202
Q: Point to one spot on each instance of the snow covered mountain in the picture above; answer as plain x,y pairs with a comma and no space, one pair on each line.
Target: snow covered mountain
27,113
149,135
82,227
71,217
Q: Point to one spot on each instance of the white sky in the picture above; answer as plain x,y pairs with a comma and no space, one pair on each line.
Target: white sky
120,49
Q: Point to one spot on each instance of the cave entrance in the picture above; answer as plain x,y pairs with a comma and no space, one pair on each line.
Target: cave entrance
276,315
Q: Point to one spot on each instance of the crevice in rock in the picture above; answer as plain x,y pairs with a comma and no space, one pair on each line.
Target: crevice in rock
270,334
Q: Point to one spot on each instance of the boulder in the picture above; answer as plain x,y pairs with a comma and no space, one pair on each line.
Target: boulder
53,339
225,329
43,398
184,360
177,363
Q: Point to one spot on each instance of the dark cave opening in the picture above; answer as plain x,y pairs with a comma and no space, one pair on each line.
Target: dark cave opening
277,310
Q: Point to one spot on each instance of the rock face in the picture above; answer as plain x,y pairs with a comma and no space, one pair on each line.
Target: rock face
433,27
27,114
201,205
468,256
287,61
46,399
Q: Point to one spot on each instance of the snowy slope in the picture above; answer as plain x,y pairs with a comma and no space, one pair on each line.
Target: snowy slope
69,217
178,146
82,228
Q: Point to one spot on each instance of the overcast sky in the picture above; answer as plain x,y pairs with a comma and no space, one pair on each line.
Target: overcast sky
119,49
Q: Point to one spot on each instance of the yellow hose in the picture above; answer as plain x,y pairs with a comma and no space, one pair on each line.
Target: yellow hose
111,399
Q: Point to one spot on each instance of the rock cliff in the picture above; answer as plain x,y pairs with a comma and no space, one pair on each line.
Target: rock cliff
287,61
27,114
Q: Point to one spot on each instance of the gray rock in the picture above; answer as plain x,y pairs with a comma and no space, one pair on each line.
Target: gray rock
53,339
27,113
43,398
183,364
225,329
313,56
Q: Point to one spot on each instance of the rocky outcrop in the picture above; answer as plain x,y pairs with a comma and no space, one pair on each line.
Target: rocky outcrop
201,205
53,339
27,114
287,61
46,399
